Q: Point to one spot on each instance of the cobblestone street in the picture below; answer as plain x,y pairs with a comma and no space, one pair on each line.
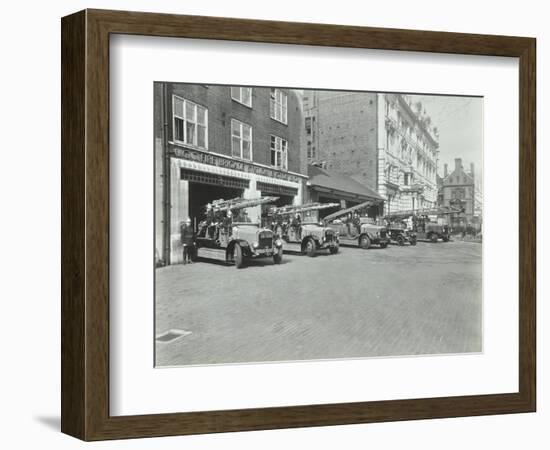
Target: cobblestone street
379,302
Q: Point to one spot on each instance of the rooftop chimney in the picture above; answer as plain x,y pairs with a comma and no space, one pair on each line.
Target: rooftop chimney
458,163
445,170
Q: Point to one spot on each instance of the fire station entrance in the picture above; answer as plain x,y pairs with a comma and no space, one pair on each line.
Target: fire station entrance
204,188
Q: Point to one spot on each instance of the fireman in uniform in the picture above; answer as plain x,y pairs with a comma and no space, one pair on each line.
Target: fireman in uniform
187,240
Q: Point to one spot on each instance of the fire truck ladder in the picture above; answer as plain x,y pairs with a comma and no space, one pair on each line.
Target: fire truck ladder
240,203
295,209
424,212
343,212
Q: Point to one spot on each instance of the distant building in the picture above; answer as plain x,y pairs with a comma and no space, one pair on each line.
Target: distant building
216,142
384,141
459,189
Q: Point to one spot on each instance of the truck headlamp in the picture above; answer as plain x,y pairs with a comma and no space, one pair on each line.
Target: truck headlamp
278,243
255,245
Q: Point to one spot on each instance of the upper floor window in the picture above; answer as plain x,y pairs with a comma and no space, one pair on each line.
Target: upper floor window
279,152
241,140
242,95
190,123
278,105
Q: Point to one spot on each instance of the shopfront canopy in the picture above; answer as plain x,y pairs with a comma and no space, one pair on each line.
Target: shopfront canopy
340,186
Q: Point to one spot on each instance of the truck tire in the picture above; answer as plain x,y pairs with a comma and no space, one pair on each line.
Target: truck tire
400,240
334,250
309,248
413,240
278,257
384,245
238,256
433,237
364,242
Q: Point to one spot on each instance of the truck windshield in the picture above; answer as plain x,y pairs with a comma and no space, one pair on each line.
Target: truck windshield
311,216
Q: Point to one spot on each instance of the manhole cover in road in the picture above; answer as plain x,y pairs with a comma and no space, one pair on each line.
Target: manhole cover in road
171,336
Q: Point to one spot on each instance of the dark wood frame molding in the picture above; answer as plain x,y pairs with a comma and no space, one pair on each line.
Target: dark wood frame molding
85,224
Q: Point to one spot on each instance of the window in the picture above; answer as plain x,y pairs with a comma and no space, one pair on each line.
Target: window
308,126
241,140
279,152
190,123
242,95
311,154
278,105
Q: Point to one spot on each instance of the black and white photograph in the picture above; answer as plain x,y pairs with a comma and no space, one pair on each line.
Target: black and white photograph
354,220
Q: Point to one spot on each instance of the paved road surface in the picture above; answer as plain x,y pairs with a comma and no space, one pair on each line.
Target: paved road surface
379,302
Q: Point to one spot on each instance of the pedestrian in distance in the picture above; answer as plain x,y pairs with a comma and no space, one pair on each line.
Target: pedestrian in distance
187,240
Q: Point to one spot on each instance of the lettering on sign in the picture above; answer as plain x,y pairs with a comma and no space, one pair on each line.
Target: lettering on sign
229,163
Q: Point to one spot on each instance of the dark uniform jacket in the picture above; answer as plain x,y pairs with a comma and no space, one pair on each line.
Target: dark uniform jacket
187,235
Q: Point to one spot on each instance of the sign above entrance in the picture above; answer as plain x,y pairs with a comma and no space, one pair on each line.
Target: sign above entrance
231,163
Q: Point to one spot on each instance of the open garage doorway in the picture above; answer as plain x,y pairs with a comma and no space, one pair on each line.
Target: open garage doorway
201,194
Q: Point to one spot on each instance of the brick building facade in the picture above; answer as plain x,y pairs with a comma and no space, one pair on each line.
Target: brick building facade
384,141
458,189
216,142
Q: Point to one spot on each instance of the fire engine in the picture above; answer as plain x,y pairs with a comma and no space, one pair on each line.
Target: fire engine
300,228
354,229
229,235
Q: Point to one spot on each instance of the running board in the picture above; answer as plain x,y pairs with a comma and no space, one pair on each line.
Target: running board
211,253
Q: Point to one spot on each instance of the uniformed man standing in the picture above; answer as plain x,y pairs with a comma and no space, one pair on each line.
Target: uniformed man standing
187,240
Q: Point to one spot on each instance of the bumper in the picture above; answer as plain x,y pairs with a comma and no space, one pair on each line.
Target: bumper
381,241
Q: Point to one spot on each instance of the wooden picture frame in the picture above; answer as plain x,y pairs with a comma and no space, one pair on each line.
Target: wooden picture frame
85,224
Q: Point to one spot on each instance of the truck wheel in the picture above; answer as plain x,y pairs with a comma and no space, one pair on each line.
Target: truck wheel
445,238
433,237
364,242
310,248
278,257
400,240
334,250
384,245
413,240
238,255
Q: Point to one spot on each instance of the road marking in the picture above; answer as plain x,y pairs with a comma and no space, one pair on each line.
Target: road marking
171,336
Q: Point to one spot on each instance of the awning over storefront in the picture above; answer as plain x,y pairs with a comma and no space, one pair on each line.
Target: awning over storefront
340,186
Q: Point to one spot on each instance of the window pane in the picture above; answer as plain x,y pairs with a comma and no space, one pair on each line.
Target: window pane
272,108
190,128
178,107
273,157
247,96
235,128
246,150
236,147
246,132
178,132
235,93
190,111
201,113
201,136
272,144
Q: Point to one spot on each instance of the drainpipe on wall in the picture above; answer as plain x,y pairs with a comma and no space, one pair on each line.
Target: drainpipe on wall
166,175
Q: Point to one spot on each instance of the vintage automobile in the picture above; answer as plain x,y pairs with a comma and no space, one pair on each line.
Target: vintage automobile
428,224
228,235
354,229
301,231
428,229
399,234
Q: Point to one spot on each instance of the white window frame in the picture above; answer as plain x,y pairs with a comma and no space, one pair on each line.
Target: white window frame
196,107
280,108
279,149
239,99
240,137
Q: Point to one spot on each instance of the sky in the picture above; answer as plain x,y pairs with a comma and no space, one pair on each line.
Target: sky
460,124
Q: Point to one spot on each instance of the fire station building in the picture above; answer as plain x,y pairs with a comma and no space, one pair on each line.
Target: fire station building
214,142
